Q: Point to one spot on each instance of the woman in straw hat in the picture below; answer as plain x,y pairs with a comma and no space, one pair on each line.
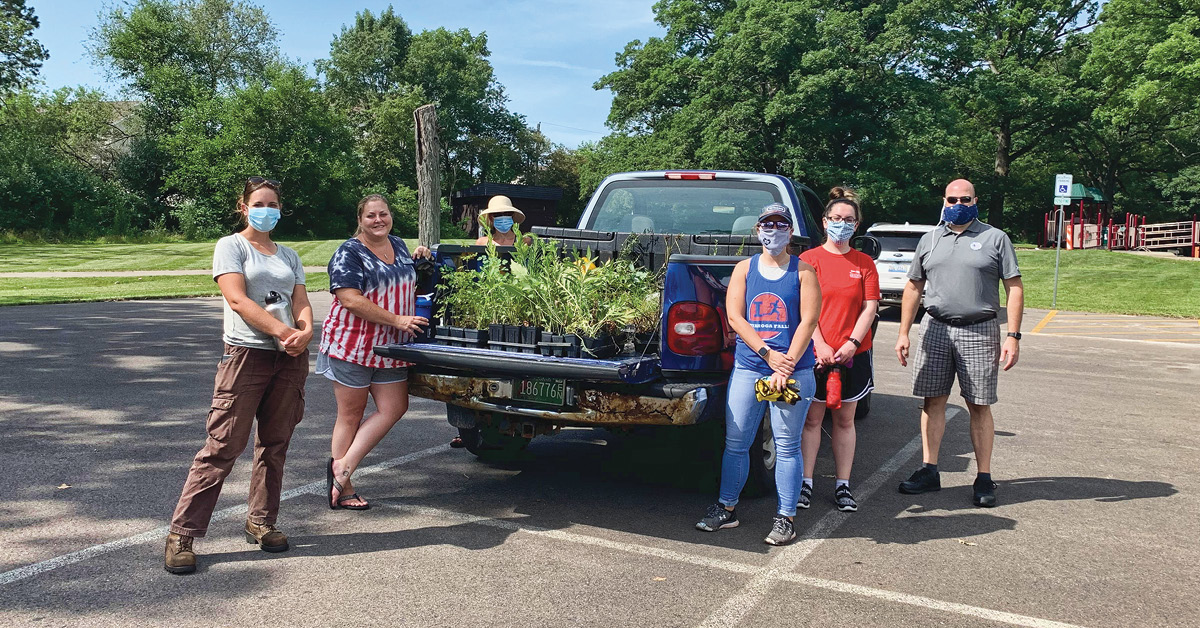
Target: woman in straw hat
500,216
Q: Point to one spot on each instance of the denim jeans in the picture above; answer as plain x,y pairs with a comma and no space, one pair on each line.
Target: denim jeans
743,413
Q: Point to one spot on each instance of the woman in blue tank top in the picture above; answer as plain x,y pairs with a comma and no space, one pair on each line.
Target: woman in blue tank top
773,304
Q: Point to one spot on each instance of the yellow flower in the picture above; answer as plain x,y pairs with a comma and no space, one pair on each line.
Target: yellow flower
585,265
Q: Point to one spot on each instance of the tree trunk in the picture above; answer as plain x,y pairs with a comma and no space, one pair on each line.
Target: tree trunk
1000,178
429,183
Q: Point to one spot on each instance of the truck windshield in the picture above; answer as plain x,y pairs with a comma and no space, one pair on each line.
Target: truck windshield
682,207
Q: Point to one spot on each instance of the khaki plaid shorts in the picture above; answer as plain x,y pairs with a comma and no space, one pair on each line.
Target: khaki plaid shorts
971,352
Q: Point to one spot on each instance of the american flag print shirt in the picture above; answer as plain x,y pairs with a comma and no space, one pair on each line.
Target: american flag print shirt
392,287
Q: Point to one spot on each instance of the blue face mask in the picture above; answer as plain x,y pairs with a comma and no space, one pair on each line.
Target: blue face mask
263,219
503,224
839,231
960,214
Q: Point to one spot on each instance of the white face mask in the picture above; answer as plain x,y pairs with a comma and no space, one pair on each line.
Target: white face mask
774,240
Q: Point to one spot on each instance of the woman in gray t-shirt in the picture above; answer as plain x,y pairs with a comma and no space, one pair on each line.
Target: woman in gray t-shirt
261,374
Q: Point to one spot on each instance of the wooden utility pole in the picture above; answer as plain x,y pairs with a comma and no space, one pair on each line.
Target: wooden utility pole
429,180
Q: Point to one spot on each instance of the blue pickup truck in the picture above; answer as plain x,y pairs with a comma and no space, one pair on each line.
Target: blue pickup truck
696,224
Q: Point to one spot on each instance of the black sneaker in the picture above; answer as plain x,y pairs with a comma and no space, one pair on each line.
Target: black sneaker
844,499
985,493
805,499
782,531
718,518
921,481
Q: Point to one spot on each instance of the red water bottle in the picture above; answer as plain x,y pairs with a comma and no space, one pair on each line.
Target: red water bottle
833,388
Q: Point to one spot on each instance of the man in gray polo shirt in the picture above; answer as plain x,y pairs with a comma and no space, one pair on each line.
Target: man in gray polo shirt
960,266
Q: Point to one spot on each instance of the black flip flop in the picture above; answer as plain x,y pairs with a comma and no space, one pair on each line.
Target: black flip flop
366,506
329,484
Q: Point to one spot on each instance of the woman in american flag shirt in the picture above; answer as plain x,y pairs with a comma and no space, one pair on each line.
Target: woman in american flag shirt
373,281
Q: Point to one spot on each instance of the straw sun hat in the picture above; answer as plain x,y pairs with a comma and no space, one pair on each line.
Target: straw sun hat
499,205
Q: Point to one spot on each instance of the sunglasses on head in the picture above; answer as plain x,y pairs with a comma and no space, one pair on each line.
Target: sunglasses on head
953,200
775,224
272,183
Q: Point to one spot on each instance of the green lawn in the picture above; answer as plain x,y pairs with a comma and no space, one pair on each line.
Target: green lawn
24,291
167,256
1090,281
1113,283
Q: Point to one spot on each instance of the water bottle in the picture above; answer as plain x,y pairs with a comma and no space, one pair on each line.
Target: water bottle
278,306
424,308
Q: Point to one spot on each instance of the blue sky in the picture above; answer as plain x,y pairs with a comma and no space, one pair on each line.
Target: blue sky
546,53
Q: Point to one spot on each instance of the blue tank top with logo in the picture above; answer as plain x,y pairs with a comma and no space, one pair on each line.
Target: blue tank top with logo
773,310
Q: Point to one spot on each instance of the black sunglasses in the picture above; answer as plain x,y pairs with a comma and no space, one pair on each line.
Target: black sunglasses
261,181
958,199
774,224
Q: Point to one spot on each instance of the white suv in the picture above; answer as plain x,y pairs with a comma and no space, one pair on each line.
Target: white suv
897,245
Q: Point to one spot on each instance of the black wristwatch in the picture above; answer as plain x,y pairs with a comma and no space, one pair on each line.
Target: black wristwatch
763,351
1014,334
856,343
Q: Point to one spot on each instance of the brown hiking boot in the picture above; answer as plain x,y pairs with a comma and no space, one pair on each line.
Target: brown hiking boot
267,537
180,557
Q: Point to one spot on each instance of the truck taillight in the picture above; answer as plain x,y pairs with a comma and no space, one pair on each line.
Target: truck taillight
691,176
694,328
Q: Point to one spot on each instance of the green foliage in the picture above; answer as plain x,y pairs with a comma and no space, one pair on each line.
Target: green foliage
283,129
1143,78
21,55
823,92
52,153
562,294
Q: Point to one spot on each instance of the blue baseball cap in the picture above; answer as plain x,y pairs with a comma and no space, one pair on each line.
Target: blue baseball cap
775,209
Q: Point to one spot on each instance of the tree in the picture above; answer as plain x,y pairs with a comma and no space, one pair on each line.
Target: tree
52,147
21,55
826,92
1005,63
1142,141
282,128
379,71
175,57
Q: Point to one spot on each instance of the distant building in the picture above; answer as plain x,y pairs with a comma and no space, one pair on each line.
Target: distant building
539,203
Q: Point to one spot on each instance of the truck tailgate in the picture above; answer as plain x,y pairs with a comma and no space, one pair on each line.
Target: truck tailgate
475,361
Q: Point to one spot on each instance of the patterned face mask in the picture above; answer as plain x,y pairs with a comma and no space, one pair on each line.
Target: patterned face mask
959,214
839,231
774,240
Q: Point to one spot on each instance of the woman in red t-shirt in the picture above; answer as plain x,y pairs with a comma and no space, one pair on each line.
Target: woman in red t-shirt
849,302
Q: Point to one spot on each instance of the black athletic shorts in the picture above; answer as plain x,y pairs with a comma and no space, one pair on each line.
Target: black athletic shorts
856,383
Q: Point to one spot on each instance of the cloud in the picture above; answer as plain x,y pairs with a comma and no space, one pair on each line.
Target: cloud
540,63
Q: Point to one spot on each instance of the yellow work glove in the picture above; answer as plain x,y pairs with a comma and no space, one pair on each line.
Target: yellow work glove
763,391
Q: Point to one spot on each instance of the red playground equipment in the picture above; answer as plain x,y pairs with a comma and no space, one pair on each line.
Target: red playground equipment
1085,227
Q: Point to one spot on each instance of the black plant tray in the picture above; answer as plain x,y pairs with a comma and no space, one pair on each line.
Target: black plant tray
574,346
460,336
514,338
646,343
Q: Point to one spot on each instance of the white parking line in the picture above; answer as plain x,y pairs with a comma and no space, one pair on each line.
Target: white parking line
736,607
771,573
925,602
158,534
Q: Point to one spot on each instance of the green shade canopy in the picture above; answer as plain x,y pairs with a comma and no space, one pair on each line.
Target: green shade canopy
1078,191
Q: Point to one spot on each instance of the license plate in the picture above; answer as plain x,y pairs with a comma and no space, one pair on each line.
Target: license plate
538,390
897,268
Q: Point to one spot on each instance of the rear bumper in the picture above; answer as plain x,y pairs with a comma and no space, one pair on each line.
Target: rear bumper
654,404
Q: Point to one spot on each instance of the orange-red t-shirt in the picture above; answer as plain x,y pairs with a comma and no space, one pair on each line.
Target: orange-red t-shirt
846,282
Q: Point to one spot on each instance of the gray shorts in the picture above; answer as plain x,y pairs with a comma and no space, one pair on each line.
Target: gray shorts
356,375
971,352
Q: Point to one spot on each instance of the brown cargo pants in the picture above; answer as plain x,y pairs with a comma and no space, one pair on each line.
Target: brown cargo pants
250,382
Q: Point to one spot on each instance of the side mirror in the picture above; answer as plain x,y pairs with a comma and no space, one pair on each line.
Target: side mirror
868,245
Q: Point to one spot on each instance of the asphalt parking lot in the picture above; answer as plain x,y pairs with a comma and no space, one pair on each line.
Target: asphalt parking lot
102,407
